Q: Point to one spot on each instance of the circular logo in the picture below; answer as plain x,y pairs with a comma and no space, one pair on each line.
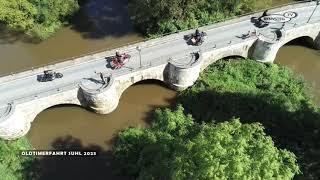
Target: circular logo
290,14
275,18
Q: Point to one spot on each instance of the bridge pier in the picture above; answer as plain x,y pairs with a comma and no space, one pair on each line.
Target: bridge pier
182,76
317,42
265,49
102,99
15,123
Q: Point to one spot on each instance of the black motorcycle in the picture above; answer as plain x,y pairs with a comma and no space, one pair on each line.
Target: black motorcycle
49,75
260,23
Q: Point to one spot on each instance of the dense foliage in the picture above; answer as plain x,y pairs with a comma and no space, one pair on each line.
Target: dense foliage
37,18
176,147
154,17
266,93
13,166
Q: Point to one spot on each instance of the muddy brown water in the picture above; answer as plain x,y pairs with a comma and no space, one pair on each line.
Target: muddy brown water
99,25
305,62
135,109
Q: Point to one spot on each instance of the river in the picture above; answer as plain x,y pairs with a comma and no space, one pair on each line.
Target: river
64,127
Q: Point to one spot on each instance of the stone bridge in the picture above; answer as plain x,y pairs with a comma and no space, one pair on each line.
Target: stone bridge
89,81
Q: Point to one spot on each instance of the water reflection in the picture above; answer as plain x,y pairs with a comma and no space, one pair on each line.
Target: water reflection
100,18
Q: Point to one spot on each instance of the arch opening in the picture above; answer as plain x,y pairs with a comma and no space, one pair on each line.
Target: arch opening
306,41
150,81
233,57
155,82
225,58
62,105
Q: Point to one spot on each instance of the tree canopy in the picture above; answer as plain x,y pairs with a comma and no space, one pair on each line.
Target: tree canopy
13,166
265,93
176,147
154,17
37,18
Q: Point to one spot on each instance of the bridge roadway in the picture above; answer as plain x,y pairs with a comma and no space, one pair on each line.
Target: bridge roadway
19,88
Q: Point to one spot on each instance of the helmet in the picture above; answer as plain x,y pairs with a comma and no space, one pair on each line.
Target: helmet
197,32
117,53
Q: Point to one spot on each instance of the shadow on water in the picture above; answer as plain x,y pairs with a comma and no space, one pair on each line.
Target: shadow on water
96,19
297,131
10,37
101,18
103,166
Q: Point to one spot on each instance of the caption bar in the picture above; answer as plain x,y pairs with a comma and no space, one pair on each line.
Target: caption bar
57,153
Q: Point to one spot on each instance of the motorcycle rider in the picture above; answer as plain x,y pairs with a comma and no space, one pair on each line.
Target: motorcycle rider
265,13
197,35
260,22
119,57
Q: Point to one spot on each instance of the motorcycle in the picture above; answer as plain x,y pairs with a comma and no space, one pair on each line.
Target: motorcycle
49,75
260,23
117,62
194,40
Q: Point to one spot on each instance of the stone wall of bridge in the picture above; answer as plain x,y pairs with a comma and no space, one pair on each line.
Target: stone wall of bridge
266,51
102,99
18,123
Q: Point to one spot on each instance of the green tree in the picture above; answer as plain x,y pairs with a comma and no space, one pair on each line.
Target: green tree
175,147
265,93
154,17
37,18
13,166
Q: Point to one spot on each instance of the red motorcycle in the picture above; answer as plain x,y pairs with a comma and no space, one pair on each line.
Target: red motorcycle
118,62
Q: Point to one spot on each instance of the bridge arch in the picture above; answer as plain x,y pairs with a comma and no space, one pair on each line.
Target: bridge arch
306,41
147,81
60,105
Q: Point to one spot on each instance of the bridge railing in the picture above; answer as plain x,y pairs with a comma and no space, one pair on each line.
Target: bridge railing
146,39
49,92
